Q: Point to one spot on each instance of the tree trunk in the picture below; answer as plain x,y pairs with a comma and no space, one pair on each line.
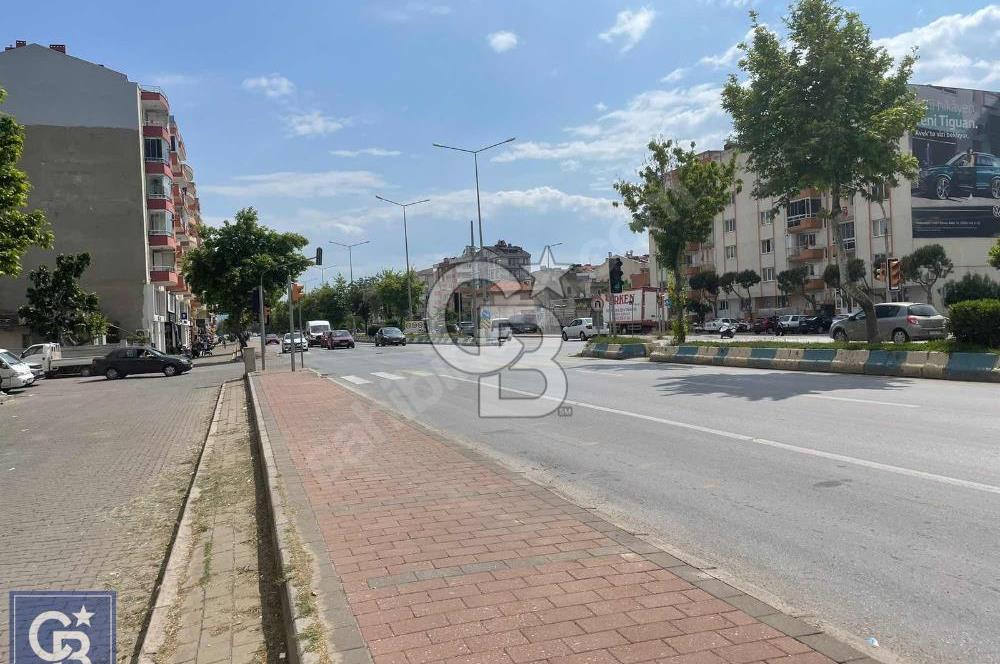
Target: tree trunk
928,288
856,294
677,299
749,308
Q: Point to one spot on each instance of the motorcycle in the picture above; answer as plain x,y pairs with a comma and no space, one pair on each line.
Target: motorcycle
727,331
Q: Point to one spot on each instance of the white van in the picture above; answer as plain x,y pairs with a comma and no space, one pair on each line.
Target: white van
315,330
13,372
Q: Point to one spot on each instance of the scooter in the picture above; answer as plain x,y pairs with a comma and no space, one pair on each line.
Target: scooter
727,331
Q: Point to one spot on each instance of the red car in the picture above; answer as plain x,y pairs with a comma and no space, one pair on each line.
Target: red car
332,339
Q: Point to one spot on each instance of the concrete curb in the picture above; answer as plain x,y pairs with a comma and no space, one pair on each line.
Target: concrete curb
296,625
978,367
180,552
616,351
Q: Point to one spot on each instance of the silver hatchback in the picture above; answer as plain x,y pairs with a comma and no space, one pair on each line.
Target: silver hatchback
898,322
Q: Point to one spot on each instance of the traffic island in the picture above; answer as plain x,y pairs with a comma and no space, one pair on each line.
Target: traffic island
616,351
979,367
417,548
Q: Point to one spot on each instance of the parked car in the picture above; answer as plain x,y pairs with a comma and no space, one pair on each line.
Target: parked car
965,173
123,362
789,323
272,339
334,339
743,325
467,328
815,324
14,373
390,336
765,325
524,327
300,343
582,329
898,322
714,325
500,330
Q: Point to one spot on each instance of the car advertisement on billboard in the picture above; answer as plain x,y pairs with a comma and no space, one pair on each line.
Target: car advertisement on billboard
957,192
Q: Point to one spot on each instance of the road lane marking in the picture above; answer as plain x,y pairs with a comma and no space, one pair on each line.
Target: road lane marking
868,401
599,373
875,465
357,380
387,375
417,372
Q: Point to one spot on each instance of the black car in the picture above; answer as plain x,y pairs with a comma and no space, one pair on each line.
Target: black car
524,327
815,324
123,362
390,336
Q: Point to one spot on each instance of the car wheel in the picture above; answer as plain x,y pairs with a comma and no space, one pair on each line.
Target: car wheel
112,374
583,337
995,188
899,336
169,371
85,372
840,335
404,343
565,336
942,188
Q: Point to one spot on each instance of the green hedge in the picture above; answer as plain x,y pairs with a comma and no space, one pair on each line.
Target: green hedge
976,321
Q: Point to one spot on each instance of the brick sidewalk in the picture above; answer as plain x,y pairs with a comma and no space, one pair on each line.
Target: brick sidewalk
445,556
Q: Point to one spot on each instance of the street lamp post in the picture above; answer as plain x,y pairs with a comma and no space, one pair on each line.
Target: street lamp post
406,246
350,259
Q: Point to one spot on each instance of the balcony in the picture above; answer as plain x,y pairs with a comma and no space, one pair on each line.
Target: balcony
815,284
181,284
802,224
164,275
157,167
155,98
153,130
159,201
809,254
161,237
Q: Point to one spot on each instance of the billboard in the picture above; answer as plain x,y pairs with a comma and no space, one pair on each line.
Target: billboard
957,193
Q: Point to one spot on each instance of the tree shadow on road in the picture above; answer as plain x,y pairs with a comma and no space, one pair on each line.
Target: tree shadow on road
775,385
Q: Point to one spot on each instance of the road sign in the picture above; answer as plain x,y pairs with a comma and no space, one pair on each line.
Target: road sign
597,303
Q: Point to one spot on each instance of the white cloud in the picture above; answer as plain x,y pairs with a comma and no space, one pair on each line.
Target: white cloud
172,80
735,4
371,152
692,113
729,57
414,9
502,41
313,123
289,184
631,26
957,50
674,76
600,107
272,85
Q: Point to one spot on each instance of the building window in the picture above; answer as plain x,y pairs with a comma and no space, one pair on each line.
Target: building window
154,149
766,217
847,235
803,209
731,251
767,274
807,240
730,225
766,246
723,305
732,198
880,227
160,223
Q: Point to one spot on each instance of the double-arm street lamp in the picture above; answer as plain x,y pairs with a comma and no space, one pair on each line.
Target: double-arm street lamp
350,259
406,246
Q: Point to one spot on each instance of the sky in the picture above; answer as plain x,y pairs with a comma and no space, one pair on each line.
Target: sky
308,109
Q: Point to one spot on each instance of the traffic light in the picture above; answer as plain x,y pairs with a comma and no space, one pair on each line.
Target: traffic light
255,301
297,290
267,315
878,271
319,255
895,274
615,274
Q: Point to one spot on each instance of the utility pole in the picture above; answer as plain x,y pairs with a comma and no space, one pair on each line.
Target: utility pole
263,339
291,321
350,258
302,336
406,246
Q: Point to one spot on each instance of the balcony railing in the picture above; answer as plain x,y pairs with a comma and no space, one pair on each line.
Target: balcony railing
808,254
157,193
161,231
804,223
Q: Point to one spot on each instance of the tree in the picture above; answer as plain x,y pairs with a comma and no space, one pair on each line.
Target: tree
699,308
855,274
970,287
676,200
995,255
793,282
707,283
747,279
58,309
824,109
235,257
925,266
18,229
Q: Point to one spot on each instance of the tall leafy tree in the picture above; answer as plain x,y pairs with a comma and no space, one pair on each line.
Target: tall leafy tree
707,283
925,266
18,229
675,201
234,258
856,275
747,279
793,282
58,309
824,109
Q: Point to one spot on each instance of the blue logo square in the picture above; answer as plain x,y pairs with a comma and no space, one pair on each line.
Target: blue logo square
49,626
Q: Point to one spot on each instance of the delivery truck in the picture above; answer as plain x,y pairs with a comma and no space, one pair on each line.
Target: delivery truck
635,310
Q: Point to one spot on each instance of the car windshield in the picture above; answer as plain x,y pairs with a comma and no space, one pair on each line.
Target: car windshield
342,333
391,331
923,310
9,358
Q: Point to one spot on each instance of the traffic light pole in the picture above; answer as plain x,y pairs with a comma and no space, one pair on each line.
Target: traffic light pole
291,322
263,338
302,353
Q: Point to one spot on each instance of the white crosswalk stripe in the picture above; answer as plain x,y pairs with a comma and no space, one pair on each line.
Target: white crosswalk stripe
418,372
387,375
357,380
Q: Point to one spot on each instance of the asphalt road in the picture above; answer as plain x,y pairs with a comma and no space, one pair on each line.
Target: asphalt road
867,504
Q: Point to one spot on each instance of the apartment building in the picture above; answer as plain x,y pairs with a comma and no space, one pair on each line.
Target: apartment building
108,166
955,145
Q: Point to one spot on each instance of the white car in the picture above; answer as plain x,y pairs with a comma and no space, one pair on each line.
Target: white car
582,329
789,322
714,325
300,343
13,372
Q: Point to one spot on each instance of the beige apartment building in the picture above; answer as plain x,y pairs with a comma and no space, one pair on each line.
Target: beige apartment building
108,166
964,217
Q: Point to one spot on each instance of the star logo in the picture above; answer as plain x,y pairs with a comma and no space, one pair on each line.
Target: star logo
83,616
548,275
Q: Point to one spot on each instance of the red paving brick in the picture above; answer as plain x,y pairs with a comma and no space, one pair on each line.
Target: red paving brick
445,557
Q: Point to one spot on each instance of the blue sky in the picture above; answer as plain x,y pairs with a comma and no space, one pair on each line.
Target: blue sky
307,109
